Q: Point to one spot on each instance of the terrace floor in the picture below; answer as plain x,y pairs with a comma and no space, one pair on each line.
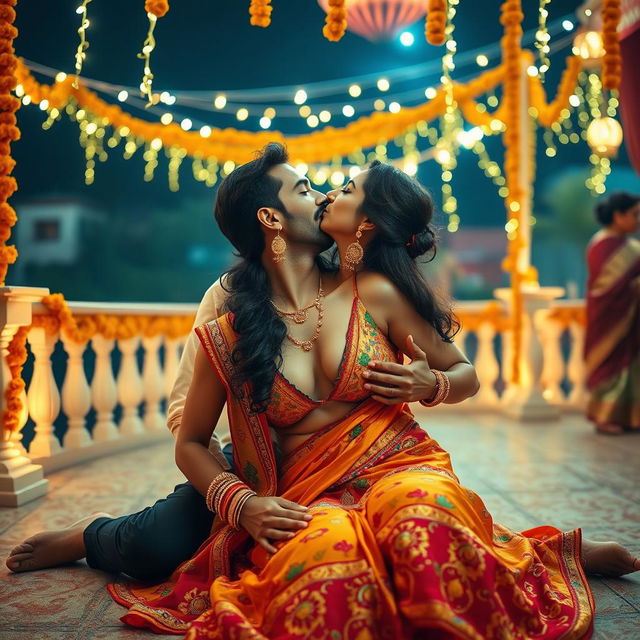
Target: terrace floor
557,473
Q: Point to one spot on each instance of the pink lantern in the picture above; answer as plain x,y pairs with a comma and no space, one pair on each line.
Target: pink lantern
378,20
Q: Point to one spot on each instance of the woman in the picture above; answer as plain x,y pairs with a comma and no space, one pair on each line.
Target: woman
374,537
612,346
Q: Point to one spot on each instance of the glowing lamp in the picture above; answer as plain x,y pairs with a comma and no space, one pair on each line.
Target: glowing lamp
589,47
604,136
378,20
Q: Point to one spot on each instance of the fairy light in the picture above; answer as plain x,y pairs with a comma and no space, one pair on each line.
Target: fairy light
379,104
166,118
542,39
270,113
324,115
313,121
300,96
61,76
348,110
123,95
265,122
205,131
151,159
176,155
220,101
383,84
242,114
81,52
304,111
355,90
394,107
147,48
186,124
430,93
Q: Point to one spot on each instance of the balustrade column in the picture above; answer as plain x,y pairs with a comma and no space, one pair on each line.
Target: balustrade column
487,366
43,395
550,331
130,389
153,383
103,390
76,395
171,360
576,370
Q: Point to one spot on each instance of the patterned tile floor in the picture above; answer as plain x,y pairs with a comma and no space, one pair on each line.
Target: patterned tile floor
555,473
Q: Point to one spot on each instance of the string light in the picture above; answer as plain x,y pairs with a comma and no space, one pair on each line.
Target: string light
324,116
394,107
542,39
348,110
379,104
300,97
84,44
313,121
430,93
186,124
220,101
166,118
265,122
242,114
123,95
270,113
383,84
148,46
482,60
305,111
61,76
355,90
205,131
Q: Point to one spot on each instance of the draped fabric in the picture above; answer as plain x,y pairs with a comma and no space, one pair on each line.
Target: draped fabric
612,344
630,83
397,547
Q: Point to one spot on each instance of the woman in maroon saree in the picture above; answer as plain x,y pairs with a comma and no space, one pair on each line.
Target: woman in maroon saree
612,347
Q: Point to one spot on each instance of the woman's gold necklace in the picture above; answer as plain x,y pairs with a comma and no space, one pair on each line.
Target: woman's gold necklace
299,316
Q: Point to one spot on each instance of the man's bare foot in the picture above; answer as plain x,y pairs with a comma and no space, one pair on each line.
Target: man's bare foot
51,548
610,429
608,559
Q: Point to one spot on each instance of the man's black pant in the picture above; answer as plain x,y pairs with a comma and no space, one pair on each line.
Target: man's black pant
150,544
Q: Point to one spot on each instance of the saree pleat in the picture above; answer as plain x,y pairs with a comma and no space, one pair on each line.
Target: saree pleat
612,344
396,549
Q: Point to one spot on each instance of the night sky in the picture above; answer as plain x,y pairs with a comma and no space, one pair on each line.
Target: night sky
211,45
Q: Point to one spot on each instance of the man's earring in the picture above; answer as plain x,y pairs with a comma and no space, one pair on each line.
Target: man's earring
278,246
354,253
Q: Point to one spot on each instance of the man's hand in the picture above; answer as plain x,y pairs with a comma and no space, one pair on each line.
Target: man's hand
393,383
272,518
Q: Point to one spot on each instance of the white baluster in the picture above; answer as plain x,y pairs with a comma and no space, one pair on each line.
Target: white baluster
576,370
553,369
43,395
76,395
510,390
171,360
486,366
130,390
103,390
153,383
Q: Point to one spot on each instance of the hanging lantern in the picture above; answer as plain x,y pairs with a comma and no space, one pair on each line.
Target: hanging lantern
378,20
604,136
589,47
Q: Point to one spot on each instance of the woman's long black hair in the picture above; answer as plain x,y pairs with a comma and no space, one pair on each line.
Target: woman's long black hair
257,353
618,201
402,210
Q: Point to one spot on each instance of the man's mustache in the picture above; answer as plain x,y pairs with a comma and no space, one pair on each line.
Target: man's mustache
320,209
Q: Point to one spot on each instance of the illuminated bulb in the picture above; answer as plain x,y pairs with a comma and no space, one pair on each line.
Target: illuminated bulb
430,93
604,136
324,116
300,97
567,25
265,122
383,84
186,124
156,144
394,107
228,167
355,90
26,100
589,45
166,118
482,60
305,111
348,110
44,105
574,101
220,101
91,128
320,177
337,178
123,95
205,131
61,76
313,121
379,104
302,168
19,90
532,71
587,12
242,114
170,100
354,171
407,38
443,156
410,168
270,113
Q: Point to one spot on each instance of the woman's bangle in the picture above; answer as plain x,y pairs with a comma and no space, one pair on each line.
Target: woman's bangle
443,386
226,496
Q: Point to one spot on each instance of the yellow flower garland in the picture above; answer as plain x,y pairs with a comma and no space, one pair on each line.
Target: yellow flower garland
612,60
436,21
335,23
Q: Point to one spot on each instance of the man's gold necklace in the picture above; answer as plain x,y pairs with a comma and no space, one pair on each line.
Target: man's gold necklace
299,316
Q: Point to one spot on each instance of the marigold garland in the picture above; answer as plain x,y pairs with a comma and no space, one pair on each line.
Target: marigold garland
511,18
9,132
79,329
493,313
612,60
567,316
336,21
158,8
436,21
260,12
239,146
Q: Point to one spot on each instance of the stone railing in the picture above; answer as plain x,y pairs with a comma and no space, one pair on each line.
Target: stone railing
106,393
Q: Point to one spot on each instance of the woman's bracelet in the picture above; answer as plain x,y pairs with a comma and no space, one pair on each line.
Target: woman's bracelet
443,386
226,497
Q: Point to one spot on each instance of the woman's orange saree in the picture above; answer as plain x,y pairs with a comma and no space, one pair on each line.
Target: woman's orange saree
612,344
397,548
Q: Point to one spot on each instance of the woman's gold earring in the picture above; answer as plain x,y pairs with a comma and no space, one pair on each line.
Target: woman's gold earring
354,253
278,246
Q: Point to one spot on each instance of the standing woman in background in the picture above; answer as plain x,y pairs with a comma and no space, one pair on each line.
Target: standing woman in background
612,346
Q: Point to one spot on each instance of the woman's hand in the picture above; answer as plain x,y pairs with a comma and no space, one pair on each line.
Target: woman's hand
272,518
393,383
